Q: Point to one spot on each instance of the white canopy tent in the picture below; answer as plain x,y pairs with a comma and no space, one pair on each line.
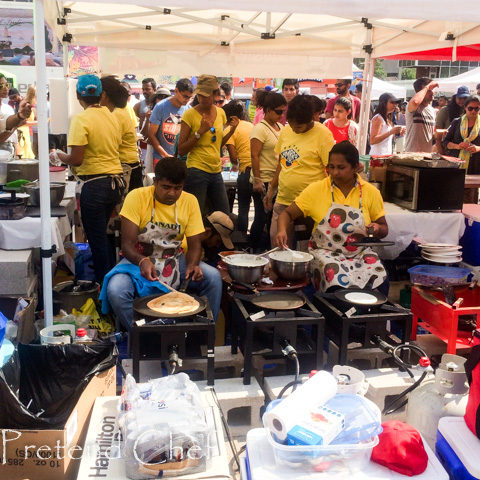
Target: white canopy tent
380,86
470,79
285,39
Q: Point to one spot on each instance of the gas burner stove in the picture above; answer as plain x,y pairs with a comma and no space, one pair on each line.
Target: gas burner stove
262,330
345,323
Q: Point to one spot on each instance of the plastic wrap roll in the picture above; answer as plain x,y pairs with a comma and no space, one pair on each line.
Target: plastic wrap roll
314,392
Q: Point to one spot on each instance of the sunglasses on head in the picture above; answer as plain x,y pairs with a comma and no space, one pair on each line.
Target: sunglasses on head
279,111
213,132
472,109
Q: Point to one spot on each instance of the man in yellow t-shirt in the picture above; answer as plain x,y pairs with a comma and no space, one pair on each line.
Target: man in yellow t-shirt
238,146
161,217
303,147
202,137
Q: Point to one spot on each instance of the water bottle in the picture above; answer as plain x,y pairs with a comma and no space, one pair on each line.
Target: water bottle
82,337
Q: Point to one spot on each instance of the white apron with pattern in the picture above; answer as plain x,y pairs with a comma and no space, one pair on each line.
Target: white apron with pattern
338,265
166,249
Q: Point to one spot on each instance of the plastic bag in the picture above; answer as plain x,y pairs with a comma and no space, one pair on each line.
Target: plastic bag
40,384
164,428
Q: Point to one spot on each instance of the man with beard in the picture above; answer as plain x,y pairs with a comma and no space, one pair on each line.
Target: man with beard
343,90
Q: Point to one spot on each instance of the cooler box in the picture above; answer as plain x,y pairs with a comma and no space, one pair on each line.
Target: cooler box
471,238
458,449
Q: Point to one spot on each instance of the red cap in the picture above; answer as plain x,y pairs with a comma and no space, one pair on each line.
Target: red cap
400,449
81,332
424,362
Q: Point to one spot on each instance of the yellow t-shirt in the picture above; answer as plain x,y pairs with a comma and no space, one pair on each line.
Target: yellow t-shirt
241,141
316,199
98,129
268,158
205,155
303,157
138,206
132,114
127,150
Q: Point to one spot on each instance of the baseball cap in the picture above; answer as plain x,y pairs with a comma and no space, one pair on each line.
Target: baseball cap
224,226
206,85
388,97
400,448
462,92
163,91
89,86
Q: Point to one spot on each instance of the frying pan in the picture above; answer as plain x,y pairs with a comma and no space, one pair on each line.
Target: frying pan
140,307
272,300
140,304
370,241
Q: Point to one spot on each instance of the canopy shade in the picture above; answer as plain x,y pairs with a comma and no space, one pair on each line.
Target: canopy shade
287,39
467,53
470,79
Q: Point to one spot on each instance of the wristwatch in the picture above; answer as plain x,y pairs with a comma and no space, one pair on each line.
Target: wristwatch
197,135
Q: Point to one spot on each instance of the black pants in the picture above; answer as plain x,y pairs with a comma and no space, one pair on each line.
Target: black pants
136,178
97,202
245,189
258,239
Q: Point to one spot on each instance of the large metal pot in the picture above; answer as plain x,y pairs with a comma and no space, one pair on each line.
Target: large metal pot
245,268
26,169
69,299
12,209
57,191
290,265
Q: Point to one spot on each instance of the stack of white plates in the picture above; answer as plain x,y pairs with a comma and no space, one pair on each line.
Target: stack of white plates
441,252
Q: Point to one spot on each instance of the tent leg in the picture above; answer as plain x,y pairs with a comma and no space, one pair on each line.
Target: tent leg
46,249
365,107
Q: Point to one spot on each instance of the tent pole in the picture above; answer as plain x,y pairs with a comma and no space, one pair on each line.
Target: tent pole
44,173
368,71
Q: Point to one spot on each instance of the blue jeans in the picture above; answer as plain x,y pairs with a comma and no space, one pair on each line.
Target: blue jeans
121,291
97,202
245,189
207,187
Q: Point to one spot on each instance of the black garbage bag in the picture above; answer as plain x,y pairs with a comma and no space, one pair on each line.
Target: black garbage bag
40,384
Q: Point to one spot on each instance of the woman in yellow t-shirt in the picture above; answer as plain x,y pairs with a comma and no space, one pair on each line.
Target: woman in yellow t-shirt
201,137
94,138
303,146
344,207
117,98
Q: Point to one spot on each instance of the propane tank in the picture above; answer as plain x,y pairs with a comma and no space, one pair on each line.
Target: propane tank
445,395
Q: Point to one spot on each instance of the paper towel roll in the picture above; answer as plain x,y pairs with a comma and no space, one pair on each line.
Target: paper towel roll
314,392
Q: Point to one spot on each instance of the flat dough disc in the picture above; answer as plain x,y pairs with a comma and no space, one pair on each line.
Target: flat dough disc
361,298
173,303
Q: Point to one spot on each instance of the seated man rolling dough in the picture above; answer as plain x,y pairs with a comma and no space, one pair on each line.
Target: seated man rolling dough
155,222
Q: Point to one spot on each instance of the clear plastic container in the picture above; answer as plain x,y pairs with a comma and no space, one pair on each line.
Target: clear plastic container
350,451
332,458
438,276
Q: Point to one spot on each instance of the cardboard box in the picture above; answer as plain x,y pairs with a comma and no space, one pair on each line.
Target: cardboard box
26,328
17,271
53,454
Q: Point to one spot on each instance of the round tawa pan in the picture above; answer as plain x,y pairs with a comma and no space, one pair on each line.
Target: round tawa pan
360,297
278,300
140,307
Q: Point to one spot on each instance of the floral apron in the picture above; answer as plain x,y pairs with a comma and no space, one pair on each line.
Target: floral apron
166,249
338,265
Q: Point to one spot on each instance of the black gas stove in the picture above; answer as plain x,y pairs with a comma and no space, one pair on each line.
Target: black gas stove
345,323
261,331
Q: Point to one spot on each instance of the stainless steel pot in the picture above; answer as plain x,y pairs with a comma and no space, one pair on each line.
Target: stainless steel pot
288,267
57,191
69,299
12,209
22,170
245,268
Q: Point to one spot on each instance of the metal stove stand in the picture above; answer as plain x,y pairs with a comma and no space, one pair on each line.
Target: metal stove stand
247,318
345,324
173,334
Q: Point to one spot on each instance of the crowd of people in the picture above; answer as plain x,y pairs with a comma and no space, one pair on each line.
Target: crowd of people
296,158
